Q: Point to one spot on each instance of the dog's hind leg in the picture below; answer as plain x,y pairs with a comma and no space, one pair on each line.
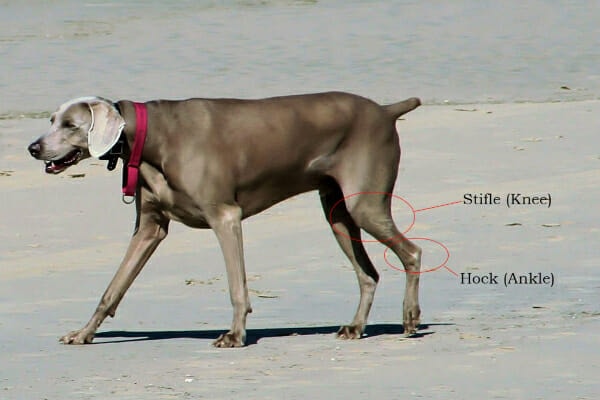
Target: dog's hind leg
369,177
347,234
372,212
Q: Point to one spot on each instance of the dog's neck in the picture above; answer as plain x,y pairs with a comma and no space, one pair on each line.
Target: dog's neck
127,111
122,148
130,145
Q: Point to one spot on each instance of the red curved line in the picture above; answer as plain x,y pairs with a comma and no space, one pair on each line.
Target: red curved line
443,264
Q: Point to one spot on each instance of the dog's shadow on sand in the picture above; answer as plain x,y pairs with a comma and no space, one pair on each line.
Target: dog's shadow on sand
254,335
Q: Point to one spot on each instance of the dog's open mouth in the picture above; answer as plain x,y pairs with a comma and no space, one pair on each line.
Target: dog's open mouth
57,166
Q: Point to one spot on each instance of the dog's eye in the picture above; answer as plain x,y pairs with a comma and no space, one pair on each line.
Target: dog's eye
69,125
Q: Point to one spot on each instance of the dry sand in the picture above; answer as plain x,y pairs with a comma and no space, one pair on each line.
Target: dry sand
61,238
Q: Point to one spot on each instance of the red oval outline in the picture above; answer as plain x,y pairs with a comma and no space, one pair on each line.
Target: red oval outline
427,270
337,203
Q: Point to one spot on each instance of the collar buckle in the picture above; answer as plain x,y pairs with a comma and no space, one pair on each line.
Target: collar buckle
112,156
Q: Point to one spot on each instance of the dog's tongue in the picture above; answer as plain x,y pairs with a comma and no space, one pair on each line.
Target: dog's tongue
56,166
52,168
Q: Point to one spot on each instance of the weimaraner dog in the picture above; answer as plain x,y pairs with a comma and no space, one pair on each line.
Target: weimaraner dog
209,163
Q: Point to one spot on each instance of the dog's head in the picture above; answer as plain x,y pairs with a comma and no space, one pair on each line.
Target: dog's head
80,128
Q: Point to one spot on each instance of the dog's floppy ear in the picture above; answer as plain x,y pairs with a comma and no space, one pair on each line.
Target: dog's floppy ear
105,129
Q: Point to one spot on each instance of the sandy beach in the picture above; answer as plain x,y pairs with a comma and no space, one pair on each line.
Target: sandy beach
508,113
62,237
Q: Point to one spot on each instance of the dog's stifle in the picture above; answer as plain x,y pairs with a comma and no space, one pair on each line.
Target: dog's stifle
209,163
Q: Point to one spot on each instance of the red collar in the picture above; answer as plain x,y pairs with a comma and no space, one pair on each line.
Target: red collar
130,180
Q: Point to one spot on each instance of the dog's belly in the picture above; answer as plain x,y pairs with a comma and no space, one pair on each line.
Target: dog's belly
180,208
188,203
257,199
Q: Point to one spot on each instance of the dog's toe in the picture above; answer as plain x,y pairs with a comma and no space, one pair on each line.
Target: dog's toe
349,332
228,340
412,318
77,337
411,325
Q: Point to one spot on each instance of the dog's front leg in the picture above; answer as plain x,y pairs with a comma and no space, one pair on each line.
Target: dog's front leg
151,229
227,224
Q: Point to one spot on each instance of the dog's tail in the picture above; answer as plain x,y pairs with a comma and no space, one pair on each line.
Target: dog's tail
396,110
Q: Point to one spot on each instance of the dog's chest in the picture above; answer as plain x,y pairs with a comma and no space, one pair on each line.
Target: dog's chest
195,220
177,205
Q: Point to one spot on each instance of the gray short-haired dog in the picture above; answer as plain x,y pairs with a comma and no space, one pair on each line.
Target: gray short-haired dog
209,163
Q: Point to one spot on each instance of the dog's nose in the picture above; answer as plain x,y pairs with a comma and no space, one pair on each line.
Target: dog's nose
35,148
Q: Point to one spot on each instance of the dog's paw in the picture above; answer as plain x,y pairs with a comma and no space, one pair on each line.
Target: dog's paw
411,320
77,337
229,339
349,332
